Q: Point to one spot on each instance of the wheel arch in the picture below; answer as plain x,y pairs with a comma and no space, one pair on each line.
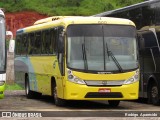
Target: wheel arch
25,76
152,80
53,84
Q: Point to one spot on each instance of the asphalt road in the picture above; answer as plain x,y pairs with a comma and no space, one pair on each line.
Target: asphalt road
17,101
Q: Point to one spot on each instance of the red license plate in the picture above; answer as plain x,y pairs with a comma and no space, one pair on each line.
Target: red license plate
104,90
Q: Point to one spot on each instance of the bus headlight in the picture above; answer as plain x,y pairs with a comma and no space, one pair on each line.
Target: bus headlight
133,79
74,79
2,83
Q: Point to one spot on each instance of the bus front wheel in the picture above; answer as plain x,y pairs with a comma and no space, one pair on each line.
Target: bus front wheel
113,103
58,101
154,94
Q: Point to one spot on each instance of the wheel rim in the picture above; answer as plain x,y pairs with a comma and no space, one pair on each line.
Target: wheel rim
154,92
27,89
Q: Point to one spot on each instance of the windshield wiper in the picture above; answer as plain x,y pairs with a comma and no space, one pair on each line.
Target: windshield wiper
115,60
84,56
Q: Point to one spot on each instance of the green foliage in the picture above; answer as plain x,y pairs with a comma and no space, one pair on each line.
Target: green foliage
123,3
13,87
65,7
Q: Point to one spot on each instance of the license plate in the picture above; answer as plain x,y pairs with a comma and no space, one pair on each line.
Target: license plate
104,90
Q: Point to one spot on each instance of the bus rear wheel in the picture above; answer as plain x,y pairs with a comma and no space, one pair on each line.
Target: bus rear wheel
57,101
154,94
30,94
113,103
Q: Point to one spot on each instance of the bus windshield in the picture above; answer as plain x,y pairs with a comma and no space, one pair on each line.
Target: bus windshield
101,48
2,44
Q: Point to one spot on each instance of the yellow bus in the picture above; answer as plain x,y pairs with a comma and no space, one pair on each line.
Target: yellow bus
78,58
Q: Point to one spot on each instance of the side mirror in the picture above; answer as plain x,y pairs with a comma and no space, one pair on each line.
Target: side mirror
11,41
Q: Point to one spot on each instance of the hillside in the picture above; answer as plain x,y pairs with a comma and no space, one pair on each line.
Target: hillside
65,7
22,13
21,19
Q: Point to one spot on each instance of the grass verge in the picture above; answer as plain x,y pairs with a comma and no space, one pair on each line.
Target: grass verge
14,87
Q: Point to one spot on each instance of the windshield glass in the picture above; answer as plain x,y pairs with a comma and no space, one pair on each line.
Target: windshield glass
106,48
2,44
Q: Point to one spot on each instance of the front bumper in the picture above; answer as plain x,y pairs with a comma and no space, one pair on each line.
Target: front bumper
74,91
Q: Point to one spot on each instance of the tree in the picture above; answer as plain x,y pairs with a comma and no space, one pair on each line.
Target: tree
74,2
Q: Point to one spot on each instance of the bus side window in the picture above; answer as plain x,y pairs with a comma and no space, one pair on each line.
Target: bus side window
150,40
18,46
53,40
31,44
24,44
45,42
37,43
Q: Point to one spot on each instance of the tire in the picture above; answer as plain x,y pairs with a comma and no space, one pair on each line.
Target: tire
30,94
154,94
113,103
57,101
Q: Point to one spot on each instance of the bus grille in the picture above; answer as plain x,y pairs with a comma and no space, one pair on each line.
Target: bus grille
104,82
104,95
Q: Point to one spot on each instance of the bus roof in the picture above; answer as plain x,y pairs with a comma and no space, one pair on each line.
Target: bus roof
67,20
146,3
49,19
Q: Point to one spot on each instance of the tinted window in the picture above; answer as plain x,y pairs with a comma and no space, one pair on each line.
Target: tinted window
31,48
18,46
24,44
53,46
37,43
93,30
149,39
46,42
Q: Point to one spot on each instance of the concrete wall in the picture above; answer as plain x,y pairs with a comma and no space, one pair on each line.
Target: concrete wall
10,68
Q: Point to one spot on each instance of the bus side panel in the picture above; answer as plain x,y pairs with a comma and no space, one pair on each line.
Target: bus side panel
21,67
42,73
43,70
24,67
